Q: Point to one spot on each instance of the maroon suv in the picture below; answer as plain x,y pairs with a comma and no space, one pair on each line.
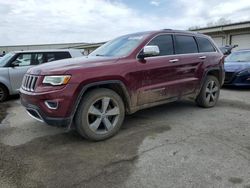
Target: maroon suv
125,75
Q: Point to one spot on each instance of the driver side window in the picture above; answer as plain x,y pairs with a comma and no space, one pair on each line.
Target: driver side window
28,59
23,60
165,44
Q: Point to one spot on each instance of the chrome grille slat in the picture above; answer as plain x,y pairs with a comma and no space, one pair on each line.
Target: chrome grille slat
29,82
32,84
26,79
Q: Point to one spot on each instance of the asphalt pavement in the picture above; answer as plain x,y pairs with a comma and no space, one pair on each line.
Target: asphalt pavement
174,145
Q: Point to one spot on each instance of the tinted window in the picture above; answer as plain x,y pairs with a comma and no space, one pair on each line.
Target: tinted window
53,56
185,44
29,59
165,44
204,45
62,55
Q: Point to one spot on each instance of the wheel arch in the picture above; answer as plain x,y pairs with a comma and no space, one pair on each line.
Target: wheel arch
214,71
5,81
115,85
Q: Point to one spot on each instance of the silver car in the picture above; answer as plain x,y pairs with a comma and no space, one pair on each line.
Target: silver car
14,65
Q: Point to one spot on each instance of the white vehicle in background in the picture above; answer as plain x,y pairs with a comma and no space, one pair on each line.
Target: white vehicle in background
14,65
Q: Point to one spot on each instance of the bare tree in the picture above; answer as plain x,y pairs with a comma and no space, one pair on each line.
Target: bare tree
221,21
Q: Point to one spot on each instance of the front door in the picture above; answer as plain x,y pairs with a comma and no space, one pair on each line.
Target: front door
159,72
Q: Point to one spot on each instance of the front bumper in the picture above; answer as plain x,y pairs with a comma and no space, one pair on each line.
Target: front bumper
234,79
37,107
37,114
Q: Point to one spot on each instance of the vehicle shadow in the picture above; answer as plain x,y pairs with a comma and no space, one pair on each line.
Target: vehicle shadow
13,97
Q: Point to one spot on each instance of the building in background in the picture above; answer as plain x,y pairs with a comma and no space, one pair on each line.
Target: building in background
230,34
86,47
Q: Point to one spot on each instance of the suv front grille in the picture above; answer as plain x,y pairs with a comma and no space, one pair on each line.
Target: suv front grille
29,82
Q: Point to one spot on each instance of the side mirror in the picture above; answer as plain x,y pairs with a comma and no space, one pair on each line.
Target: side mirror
14,64
149,51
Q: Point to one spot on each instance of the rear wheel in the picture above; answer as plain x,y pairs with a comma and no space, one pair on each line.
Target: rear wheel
100,114
209,93
3,93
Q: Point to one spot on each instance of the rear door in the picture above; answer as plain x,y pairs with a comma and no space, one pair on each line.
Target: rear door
159,72
208,52
189,64
19,66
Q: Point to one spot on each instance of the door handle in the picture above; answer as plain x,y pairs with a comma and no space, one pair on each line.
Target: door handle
203,57
173,60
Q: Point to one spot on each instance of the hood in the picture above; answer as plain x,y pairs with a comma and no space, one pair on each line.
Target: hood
236,66
61,66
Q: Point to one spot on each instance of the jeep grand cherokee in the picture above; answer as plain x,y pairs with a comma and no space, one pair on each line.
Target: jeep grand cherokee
127,74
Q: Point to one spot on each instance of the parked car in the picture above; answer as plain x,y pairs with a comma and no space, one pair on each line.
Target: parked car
14,65
227,50
125,75
237,68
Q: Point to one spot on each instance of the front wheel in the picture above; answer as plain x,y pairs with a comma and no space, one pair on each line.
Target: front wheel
209,93
100,114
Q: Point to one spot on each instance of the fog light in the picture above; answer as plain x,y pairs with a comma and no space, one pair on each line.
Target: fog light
51,104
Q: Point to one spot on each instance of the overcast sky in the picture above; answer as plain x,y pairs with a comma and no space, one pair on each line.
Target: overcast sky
51,21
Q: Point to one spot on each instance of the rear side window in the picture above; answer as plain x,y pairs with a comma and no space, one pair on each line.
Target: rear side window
185,44
165,44
205,45
62,55
53,56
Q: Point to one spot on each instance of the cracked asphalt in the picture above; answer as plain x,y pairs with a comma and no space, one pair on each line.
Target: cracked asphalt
173,145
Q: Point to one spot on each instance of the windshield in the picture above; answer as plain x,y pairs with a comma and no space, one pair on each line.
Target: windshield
119,47
5,59
243,56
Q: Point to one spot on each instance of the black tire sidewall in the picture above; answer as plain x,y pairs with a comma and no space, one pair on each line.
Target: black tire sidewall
82,114
5,93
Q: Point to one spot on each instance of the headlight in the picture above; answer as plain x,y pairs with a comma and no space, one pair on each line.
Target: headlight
56,80
244,72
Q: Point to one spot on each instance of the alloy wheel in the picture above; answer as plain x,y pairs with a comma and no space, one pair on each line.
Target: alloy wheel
212,91
103,115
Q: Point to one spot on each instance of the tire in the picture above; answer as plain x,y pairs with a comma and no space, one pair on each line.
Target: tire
4,93
209,93
100,114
